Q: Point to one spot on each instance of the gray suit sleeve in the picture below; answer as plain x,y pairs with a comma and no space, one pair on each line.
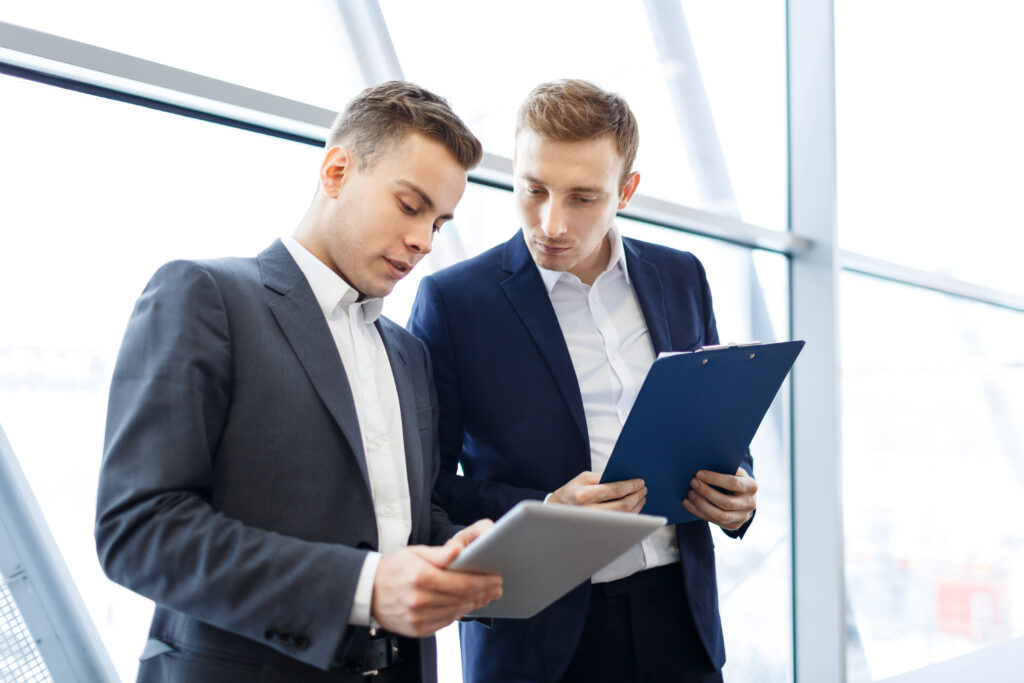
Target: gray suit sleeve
157,529
441,527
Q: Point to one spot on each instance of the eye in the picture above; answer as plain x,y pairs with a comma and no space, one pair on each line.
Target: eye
534,191
584,200
406,209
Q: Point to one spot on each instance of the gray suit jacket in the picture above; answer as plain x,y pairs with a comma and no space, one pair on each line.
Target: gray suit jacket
233,490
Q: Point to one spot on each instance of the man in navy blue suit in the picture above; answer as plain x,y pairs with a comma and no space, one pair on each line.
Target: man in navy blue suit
540,347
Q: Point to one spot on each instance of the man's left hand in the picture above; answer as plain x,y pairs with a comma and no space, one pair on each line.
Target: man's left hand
730,507
469,534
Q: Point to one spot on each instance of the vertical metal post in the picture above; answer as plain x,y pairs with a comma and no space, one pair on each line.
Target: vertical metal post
41,585
690,103
818,584
370,40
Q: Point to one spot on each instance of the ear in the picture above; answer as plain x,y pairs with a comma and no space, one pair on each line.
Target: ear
628,190
337,165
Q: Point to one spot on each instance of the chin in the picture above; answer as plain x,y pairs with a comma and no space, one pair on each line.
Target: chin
380,292
552,262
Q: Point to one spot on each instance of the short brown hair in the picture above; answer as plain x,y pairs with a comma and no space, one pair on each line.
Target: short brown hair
572,110
384,114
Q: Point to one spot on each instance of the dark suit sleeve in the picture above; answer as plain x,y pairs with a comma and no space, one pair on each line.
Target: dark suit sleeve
465,499
711,328
441,527
157,529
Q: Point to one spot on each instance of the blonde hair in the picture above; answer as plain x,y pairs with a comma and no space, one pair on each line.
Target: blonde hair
571,110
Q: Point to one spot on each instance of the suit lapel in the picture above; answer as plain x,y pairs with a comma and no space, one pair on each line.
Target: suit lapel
304,325
525,290
407,404
647,285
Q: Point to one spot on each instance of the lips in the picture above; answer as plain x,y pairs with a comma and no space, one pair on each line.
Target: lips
552,249
399,269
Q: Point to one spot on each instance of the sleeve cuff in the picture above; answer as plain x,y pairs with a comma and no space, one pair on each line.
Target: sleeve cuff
362,602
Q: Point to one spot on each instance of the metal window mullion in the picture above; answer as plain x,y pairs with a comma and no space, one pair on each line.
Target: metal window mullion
371,41
936,282
818,544
45,595
689,98
51,55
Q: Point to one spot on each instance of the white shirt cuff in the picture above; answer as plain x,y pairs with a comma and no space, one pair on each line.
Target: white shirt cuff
362,602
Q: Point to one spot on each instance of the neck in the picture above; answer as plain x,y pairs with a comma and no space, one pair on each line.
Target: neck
595,264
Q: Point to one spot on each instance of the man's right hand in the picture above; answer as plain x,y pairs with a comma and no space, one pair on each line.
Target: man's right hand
584,489
415,596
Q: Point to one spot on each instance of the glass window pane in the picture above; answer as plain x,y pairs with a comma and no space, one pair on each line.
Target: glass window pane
96,195
933,472
296,50
496,52
929,136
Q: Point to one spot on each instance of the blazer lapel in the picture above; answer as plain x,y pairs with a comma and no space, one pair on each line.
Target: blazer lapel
305,327
647,285
407,404
525,290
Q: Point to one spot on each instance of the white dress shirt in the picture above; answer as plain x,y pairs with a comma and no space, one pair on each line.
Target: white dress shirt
611,353
380,417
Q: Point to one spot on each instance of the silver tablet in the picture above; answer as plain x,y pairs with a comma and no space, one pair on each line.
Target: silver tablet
544,551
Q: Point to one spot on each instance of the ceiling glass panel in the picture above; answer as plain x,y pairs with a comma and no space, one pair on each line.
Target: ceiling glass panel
296,50
929,135
485,57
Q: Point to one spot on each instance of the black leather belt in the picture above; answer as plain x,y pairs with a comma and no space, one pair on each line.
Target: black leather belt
382,651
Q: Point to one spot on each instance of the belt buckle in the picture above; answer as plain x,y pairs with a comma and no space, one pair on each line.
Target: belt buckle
389,653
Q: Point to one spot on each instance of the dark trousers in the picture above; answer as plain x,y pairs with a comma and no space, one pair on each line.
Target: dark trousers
639,629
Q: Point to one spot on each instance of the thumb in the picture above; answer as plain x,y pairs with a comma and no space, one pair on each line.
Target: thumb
438,555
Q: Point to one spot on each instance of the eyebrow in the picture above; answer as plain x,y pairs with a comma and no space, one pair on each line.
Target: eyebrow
427,201
581,188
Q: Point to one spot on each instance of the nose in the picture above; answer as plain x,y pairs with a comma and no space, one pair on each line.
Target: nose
552,222
420,239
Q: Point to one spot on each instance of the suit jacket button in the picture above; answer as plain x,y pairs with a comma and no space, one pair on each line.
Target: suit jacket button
301,642
285,638
271,634
363,545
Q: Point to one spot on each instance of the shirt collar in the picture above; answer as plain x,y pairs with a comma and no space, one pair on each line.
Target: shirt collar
617,258
330,290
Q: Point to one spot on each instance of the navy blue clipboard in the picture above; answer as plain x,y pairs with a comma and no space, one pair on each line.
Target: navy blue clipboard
697,411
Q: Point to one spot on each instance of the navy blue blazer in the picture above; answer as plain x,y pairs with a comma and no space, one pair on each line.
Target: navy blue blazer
512,416
233,490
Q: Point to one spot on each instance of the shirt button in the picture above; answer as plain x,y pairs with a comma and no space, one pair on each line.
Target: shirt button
380,441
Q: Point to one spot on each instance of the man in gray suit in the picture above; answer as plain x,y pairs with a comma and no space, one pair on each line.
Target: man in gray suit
271,442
